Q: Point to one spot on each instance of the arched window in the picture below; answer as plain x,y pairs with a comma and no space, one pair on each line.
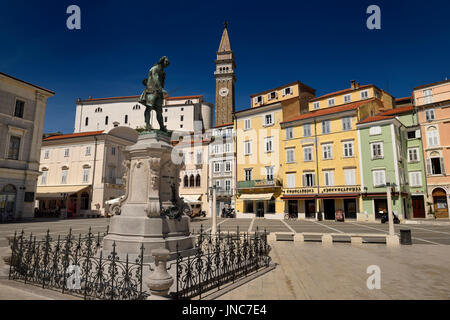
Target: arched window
86,122
192,181
106,120
197,181
126,118
186,181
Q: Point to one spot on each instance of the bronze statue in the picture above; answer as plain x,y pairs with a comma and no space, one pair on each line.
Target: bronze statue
153,95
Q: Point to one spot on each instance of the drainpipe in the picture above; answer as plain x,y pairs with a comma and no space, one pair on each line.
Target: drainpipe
317,164
93,173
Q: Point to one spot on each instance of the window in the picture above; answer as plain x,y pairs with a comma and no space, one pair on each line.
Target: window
364,94
44,177
248,174
269,144
66,152
348,149
415,179
106,120
247,124
14,148
64,176
113,151
186,181
307,154
198,181
377,150
328,178
327,151
331,102
316,105
347,98
166,110
273,95
181,126
377,94
181,118
290,180
46,154
199,157
227,147
309,179
287,91
350,179
192,181
85,175
216,166
289,133
247,147
18,111
411,134
428,96
86,121
429,115
98,110
182,109
165,119
227,166
216,149
413,154
373,131
227,185
112,174
290,157
268,119
432,137
346,123
379,178
137,107
126,118
435,165
259,99
307,130
325,126
269,173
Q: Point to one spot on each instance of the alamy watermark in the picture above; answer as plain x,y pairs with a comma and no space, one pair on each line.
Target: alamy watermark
74,20
374,20
374,280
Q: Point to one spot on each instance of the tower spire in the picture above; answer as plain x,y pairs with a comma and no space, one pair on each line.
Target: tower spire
225,41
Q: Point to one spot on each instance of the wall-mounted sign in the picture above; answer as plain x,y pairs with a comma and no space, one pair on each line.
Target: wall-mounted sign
340,189
299,191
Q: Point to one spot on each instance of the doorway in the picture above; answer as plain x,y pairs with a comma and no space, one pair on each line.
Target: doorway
350,208
310,209
380,207
418,207
260,209
329,209
440,203
293,208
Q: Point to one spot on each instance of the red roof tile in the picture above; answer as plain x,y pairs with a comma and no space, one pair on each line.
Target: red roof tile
398,110
326,111
376,118
224,125
135,97
74,135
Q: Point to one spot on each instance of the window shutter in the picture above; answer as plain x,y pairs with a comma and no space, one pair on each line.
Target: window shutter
303,180
429,166
418,133
442,165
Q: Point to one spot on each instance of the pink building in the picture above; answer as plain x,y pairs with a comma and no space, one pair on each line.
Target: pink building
432,102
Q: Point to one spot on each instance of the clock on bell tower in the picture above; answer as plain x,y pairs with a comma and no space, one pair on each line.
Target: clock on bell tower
225,79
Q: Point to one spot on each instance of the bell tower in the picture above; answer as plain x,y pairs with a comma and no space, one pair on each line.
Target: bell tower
225,79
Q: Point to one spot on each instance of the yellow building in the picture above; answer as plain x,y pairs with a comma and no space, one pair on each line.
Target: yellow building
318,153
259,185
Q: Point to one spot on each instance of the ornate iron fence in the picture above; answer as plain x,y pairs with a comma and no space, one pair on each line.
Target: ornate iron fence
76,265
220,259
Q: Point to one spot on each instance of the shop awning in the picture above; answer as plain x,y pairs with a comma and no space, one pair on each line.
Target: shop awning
338,196
299,197
256,196
58,192
192,198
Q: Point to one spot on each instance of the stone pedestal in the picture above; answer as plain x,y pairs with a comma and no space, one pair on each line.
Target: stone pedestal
151,185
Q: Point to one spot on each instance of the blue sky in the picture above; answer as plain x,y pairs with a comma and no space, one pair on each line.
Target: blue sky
324,44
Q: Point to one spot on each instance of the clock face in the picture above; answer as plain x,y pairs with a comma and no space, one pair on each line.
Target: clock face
223,92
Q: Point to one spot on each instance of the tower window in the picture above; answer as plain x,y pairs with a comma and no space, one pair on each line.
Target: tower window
126,118
106,120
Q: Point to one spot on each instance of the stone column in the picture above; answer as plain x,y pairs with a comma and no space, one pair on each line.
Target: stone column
159,281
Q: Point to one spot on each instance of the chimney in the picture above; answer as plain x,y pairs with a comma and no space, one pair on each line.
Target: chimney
352,84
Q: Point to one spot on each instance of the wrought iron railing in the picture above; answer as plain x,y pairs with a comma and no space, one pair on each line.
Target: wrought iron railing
77,266
220,259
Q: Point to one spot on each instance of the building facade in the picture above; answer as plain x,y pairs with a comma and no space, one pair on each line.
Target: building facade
183,114
22,113
80,171
221,165
432,102
391,152
319,153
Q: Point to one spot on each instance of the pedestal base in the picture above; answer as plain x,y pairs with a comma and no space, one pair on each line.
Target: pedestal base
130,233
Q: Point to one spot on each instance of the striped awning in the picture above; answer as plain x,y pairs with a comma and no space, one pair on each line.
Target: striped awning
256,196
57,192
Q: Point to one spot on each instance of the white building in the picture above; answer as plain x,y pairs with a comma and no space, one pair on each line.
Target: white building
81,171
22,113
221,165
179,113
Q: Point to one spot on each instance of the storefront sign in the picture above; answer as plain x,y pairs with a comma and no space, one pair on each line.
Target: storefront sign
299,191
340,189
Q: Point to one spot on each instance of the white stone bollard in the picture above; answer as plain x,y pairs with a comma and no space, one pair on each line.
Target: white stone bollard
159,281
299,237
356,241
327,240
392,241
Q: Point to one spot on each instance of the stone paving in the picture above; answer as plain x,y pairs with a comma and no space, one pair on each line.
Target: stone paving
311,271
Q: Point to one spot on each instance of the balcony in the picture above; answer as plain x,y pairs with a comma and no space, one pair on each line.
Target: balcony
263,183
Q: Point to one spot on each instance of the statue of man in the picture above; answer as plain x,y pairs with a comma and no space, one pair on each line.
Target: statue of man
153,95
